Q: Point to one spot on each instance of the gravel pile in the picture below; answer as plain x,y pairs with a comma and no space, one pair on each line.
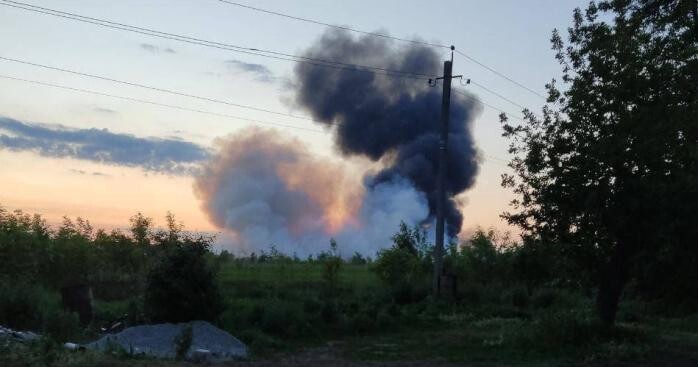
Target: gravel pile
159,341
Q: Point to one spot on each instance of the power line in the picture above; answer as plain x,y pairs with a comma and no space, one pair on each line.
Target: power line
500,96
260,52
188,95
496,94
499,74
385,36
177,107
224,46
470,96
333,25
491,158
177,93
208,99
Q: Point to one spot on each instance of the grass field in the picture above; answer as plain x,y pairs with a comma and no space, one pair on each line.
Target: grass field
287,315
488,330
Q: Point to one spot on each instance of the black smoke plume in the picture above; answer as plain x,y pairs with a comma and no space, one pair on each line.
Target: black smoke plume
391,119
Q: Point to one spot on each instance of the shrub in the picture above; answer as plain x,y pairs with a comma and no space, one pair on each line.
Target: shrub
397,267
21,306
360,323
562,328
257,340
278,318
330,311
358,259
543,298
182,286
518,297
62,325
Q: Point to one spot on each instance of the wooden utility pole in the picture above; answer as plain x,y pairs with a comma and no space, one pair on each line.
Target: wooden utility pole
443,166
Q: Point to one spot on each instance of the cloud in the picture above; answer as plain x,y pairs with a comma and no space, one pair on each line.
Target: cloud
101,145
93,173
260,72
156,49
103,110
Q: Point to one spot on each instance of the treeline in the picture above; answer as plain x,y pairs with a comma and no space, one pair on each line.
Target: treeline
144,265
75,253
147,275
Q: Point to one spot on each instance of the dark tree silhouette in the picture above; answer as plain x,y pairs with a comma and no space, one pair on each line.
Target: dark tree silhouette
609,170
182,286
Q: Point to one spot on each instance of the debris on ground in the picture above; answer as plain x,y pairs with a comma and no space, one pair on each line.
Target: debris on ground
208,342
20,336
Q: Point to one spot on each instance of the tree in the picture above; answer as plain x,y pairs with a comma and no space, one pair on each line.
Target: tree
141,228
609,171
182,286
406,265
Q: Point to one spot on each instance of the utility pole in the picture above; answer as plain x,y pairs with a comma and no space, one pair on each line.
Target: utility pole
443,166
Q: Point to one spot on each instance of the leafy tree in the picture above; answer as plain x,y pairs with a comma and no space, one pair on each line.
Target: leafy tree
405,267
182,286
609,171
358,259
413,240
74,262
141,228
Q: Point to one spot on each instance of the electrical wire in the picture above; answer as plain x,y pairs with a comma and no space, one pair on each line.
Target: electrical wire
496,94
169,91
352,29
145,101
472,97
491,158
499,74
268,53
374,34
224,46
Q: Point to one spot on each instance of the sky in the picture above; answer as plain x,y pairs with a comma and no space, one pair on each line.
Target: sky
42,172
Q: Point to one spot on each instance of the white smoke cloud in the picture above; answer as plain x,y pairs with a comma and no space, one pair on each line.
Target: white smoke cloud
383,208
263,190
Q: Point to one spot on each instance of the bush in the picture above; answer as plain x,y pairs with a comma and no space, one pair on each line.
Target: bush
25,307
258,340
358,259
360,323
544,298
399,269
21,306
279,317
182,287
518,297
562,328
62,325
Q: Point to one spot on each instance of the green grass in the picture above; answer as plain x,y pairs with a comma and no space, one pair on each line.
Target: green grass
281,309
293,274
495,329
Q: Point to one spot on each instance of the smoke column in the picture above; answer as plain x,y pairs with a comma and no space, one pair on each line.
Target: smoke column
390,118
265,189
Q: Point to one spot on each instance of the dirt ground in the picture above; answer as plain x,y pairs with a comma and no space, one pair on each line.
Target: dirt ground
327,356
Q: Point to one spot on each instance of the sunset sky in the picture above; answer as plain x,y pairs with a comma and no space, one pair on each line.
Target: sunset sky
507,36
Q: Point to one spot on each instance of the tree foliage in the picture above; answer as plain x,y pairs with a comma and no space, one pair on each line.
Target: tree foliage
182,286
609,171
